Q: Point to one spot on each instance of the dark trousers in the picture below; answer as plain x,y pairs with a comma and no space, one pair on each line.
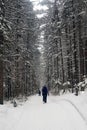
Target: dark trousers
45,98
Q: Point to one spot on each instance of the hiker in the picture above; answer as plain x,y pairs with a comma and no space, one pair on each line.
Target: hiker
76,90
44,93
39,92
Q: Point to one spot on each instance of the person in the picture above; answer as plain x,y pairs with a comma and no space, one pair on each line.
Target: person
39,92
44,93
77,90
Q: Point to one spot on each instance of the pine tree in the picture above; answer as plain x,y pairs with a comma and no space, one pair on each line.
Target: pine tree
2,13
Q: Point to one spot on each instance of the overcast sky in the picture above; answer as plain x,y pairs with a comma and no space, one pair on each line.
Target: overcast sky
37,6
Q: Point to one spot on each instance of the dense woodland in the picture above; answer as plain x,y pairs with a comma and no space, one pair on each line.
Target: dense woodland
65,43
18,25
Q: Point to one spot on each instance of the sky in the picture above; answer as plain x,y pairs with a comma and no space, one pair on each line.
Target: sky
36,1
37,6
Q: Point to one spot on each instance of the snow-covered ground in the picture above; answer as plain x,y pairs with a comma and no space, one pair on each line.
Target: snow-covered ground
66,112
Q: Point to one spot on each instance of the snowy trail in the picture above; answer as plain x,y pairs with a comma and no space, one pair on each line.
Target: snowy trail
65,112
51,116
67,100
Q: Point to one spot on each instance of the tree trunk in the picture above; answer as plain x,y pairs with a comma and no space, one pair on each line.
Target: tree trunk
1,81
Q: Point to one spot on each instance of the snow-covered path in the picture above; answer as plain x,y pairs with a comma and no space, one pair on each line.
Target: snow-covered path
60,113
55,115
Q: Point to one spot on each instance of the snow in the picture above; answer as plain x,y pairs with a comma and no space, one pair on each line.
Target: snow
83,83
82,13
58,82
66,83
85,80
80,83
65,112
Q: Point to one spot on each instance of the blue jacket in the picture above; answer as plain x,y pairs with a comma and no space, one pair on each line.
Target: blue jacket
44,91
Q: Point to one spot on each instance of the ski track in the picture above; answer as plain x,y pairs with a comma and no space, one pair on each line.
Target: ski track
56,114
76,110
50,126
81,115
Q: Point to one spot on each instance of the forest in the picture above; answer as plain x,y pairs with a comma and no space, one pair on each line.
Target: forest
64,30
